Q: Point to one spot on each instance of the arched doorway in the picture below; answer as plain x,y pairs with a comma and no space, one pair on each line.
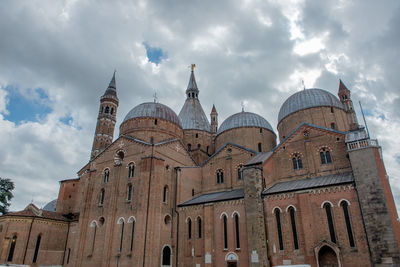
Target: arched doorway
166,257
327,257
231,260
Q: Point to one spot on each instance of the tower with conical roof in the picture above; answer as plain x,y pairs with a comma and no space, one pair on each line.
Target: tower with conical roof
214,120
196,127
106,119
344,96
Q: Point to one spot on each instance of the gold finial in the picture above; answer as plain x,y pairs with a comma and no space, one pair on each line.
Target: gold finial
193,66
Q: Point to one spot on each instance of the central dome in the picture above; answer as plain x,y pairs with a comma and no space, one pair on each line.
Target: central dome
308,98
153,110
244,119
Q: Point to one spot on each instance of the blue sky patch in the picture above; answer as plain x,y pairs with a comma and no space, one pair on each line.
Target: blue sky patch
32,105
398,158
154,54
67,120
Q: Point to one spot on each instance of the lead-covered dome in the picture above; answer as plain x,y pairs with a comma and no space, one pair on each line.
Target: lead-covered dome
244,119
307,99
153,110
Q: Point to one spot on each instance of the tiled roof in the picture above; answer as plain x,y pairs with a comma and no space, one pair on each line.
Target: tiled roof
192,116
259,158
309,183
307,99
222,147
214,197
42,214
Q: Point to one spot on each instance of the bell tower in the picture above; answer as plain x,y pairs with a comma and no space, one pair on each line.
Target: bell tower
214,120
106,119
344,96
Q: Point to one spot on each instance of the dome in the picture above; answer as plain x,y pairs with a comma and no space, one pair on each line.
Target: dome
244,119
153,110
51,206
308,98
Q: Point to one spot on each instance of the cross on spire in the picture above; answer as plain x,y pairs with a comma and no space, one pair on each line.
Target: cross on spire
242,104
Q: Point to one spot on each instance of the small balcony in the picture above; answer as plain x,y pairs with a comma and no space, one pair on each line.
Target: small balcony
360,144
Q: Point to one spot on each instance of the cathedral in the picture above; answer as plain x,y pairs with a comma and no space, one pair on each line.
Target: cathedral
184,190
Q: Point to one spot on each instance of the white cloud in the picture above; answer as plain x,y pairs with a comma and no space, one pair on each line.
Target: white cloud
255,51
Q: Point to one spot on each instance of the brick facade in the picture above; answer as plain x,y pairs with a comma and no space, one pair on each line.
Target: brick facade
146,199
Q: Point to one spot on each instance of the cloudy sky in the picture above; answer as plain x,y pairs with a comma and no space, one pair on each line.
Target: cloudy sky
57,58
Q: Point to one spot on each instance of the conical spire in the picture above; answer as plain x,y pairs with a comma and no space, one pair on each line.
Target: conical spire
213,110
342,86
112,87
192,91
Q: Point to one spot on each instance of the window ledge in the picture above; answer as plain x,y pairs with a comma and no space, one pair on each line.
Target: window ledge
237,249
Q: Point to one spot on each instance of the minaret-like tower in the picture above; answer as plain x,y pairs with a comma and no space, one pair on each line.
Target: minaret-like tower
214,120
106,119
344,96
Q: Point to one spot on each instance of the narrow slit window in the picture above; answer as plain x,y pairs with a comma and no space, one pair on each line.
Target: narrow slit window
294,229
101,202
240,173
279,228
131,170
199,227
220,177
132,235
259,147
35,255
345,208
122,236
12,248
237,233
106,176
189,225
129,193
225,230
331,226
165,194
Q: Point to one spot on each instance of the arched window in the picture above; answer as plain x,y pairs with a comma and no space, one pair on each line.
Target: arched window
331,109
297,162
166,256
101,201
189,147
165,194
94,225
294,229
35,255
329,217
131,170
345,207
198,146
122,222
279,227
132,235
259,147
12,248
129,193
106,175
220,176
240,173
225,230
325,156
332,125
197,135
199,228
112,111
237,233
155,122
189,225
192,191
107,110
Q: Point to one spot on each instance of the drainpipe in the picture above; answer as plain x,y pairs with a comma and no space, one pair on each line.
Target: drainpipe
27,241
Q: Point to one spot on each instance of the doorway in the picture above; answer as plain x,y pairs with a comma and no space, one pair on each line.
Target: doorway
327,257
232,264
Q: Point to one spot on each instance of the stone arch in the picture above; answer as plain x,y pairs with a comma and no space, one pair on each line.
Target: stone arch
131,219
327,254
290,206
94,223
235,212
274,208
231,256
345,200
326,202
121,220
222,215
